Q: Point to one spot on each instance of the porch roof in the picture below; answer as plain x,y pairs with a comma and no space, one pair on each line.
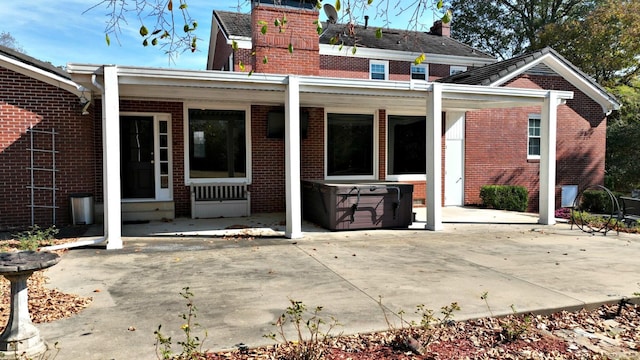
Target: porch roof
197,85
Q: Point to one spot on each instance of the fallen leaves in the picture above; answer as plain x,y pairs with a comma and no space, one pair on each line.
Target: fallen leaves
45,305
564,335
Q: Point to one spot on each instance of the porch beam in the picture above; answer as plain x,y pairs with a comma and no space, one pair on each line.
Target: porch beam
548,134
293,229
434,158
111,158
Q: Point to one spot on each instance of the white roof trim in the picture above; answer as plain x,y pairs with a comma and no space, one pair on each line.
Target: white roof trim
334,50
40,74
223,82
568,74
242,41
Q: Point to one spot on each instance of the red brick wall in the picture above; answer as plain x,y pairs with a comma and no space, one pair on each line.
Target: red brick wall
243,56
496,144
26,102
358,68
268,159
299,31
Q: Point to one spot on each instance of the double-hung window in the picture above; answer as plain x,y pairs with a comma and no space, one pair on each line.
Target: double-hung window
406,143
350,145
217,144
378,70
534,137
420,72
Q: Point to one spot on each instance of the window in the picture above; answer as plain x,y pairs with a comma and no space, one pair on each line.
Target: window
419,72
406,145
350,145
456,69
217,144
534,137
378,70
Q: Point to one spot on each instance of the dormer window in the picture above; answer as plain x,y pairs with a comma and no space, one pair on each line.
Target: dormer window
378,70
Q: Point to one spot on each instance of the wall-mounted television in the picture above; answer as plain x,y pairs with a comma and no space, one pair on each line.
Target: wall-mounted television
275,124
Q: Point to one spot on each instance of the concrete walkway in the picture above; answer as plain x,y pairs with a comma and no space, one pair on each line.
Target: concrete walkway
242,285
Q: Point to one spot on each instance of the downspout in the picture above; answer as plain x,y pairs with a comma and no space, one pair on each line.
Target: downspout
96,83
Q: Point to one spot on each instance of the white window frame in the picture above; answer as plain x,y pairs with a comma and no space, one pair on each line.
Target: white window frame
529,118
384,63
456,69
376,146
403,177
160,193
247,123
426,71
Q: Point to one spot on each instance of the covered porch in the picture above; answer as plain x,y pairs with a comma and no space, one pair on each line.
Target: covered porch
113,83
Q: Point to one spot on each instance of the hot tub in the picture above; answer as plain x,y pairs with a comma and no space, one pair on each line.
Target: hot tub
357,205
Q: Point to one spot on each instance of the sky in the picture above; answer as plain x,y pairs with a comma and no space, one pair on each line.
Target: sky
66,31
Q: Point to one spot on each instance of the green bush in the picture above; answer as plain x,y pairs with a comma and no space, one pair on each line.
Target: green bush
597,201
505,197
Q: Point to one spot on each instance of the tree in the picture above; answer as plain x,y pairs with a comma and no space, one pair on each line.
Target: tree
6,39
623,132
171,27
604,44
161,14
504,28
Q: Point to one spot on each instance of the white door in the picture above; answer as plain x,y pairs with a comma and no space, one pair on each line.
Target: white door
454,159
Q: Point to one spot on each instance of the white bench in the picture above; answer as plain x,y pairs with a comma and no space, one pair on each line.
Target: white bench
219,200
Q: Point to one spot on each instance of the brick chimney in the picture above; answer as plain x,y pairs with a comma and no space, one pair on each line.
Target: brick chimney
441,29
299,31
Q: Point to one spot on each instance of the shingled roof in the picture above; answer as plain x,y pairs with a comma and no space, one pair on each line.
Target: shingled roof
239,25
488,74
491,74
26,59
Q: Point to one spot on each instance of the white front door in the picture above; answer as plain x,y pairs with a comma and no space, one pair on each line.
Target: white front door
454,160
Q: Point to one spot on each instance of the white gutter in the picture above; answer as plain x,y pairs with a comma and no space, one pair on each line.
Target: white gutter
42,75
383,54
308,84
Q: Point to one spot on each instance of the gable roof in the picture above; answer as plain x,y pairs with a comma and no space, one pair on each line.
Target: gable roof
544,60
238,26
40,70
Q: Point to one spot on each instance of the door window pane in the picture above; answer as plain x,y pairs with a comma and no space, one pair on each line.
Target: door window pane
217,147
349,144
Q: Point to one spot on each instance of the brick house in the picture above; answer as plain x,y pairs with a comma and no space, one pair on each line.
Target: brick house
46,143
166,141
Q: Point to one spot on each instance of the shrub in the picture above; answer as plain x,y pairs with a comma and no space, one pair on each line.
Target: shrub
597,201
505,197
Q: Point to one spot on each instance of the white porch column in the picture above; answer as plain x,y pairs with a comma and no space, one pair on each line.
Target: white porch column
434,158
111,158
548,130
293,228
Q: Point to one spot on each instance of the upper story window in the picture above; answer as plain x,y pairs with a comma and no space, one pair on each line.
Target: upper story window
534,137
453,69
217,141
378,70
420,72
